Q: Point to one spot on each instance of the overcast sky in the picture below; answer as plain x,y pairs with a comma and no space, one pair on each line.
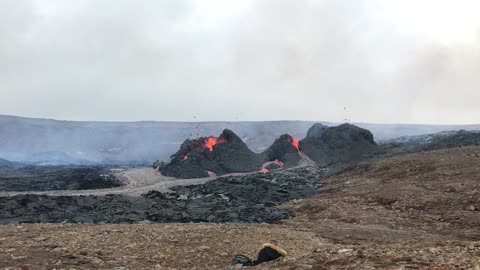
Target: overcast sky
385,61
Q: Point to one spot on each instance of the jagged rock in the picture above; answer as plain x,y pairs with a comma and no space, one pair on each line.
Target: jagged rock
248,198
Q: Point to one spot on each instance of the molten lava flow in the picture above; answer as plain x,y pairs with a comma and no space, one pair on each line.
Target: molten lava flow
278,162
264,166
294,142
211,141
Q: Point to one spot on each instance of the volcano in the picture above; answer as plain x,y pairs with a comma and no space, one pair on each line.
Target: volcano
343,143
285,149
227,153
206,156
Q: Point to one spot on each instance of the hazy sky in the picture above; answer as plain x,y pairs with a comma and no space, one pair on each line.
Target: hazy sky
387,61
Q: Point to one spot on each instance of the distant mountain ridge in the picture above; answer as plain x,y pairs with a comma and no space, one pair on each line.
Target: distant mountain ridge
24,139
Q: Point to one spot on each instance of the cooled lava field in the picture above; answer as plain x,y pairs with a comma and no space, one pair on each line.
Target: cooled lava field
415,211
334,200
22,177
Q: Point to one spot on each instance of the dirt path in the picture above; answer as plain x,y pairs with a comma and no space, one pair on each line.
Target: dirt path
139,181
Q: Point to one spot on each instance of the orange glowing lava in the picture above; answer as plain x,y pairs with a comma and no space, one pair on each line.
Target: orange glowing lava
278,162
294,142
211,141
264,166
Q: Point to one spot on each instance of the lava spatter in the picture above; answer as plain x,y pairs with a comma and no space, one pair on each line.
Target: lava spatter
212,141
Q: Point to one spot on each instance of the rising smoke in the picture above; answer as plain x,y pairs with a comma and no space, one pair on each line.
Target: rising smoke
249,60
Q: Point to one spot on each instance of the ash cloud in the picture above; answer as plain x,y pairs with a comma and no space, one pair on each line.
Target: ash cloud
262,60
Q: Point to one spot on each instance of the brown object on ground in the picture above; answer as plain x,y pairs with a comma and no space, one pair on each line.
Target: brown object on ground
419,211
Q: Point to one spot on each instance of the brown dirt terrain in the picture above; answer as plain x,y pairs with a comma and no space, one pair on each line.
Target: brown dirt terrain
419,211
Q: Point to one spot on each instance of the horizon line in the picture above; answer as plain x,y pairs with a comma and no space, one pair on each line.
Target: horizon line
226,121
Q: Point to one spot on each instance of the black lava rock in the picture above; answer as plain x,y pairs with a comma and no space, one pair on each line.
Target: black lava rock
344,143
283,150
222,155
316,131
65,177
249,198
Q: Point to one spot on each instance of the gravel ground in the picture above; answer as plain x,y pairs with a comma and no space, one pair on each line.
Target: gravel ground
142,246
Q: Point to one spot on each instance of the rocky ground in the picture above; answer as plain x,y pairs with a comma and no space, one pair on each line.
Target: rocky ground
242,198
136,181
428,142
418,211
21,177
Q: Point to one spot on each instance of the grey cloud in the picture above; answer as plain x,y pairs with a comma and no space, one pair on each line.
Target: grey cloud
137,60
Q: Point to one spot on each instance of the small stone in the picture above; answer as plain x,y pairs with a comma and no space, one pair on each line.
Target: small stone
60,249
297,201
159,267
476,263
203,248
226,198
17,257
236,266
145,221
182,198
40,239
345,250
304,267
450,189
